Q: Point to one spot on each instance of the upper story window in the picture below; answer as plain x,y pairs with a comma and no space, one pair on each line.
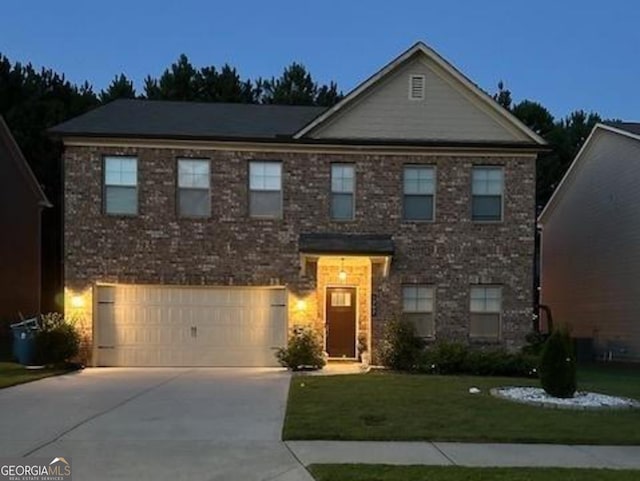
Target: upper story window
487,190
419,189
194,197
265,189
342,191
121,185
486,309
417,308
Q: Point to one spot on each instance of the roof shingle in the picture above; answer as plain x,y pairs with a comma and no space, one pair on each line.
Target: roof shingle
169,119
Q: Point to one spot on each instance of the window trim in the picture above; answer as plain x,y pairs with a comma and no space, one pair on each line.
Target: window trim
280,216
105,186
502,195
434,195
353,193
499,313
434,303
178,188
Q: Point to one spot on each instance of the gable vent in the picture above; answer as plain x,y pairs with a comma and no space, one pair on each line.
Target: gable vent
416,87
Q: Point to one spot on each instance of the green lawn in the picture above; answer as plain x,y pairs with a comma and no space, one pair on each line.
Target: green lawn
12,374
363,472
391,406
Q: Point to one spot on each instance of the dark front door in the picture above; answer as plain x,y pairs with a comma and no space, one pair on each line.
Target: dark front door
341,322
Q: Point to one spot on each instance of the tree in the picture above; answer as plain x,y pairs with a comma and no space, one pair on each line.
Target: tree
32,101
503,96
534,116
558,365
223,86
296,87
178,82
119,88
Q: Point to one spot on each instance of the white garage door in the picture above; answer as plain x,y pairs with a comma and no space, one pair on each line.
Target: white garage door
189,326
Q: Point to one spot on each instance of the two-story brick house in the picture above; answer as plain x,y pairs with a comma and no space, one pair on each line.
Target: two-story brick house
198,234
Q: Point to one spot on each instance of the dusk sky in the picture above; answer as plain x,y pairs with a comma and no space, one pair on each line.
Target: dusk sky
565,54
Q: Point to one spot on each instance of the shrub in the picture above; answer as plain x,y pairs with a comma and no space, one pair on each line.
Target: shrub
303,351
456,358
445,358
401,347
535,343
558,365
57,341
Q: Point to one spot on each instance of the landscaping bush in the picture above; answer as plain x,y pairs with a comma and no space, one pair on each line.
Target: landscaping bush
303,351
457,358
401,346
445,358
558,365
57,341
535,343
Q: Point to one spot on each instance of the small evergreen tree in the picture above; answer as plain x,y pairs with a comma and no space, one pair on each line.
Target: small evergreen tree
558,365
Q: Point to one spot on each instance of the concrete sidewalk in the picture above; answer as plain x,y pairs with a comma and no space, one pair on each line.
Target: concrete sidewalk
466,454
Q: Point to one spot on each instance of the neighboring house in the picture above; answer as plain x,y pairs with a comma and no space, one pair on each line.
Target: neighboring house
199,234
21,203
590,259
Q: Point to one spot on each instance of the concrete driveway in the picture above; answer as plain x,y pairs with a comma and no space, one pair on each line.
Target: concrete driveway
173,424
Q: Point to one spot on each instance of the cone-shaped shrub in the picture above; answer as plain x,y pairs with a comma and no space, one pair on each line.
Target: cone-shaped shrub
558,365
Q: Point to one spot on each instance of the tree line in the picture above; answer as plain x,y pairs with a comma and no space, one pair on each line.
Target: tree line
31,101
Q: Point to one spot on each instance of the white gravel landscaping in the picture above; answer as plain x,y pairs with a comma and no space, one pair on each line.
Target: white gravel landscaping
582,400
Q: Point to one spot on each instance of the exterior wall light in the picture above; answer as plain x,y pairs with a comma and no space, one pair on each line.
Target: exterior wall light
77,302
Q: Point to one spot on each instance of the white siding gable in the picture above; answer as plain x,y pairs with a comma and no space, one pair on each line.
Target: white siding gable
449,111
591,245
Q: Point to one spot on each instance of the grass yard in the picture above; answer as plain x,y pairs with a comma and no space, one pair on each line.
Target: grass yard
363,472
391,406
12,374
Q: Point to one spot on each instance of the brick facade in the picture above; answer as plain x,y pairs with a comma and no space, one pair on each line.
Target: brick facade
230,248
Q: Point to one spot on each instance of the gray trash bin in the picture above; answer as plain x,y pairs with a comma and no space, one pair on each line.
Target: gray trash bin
24,341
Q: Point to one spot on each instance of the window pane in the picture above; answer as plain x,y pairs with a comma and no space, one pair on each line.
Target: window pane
121,171
486,207
486,299
417,299
418,207
342,178
484,325
121,200
419,180
423,322
193,173
194,202
265,175
342,206
265,204
487,181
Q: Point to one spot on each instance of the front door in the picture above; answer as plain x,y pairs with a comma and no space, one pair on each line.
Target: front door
341,322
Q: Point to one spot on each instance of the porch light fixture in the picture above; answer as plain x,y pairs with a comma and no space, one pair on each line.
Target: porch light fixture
342,275
301,305
77,302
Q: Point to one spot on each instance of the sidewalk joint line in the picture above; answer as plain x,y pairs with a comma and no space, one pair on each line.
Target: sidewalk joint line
446,456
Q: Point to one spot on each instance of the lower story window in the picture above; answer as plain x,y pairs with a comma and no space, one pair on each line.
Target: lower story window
417,308
485,312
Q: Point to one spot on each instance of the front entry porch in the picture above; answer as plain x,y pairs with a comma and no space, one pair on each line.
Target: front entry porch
342,270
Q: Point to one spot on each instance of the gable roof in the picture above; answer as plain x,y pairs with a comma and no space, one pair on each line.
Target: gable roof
626,129
420,49
11,152
197,120
630,127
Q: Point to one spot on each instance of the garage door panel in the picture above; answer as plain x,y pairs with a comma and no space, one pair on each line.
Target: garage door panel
183,326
